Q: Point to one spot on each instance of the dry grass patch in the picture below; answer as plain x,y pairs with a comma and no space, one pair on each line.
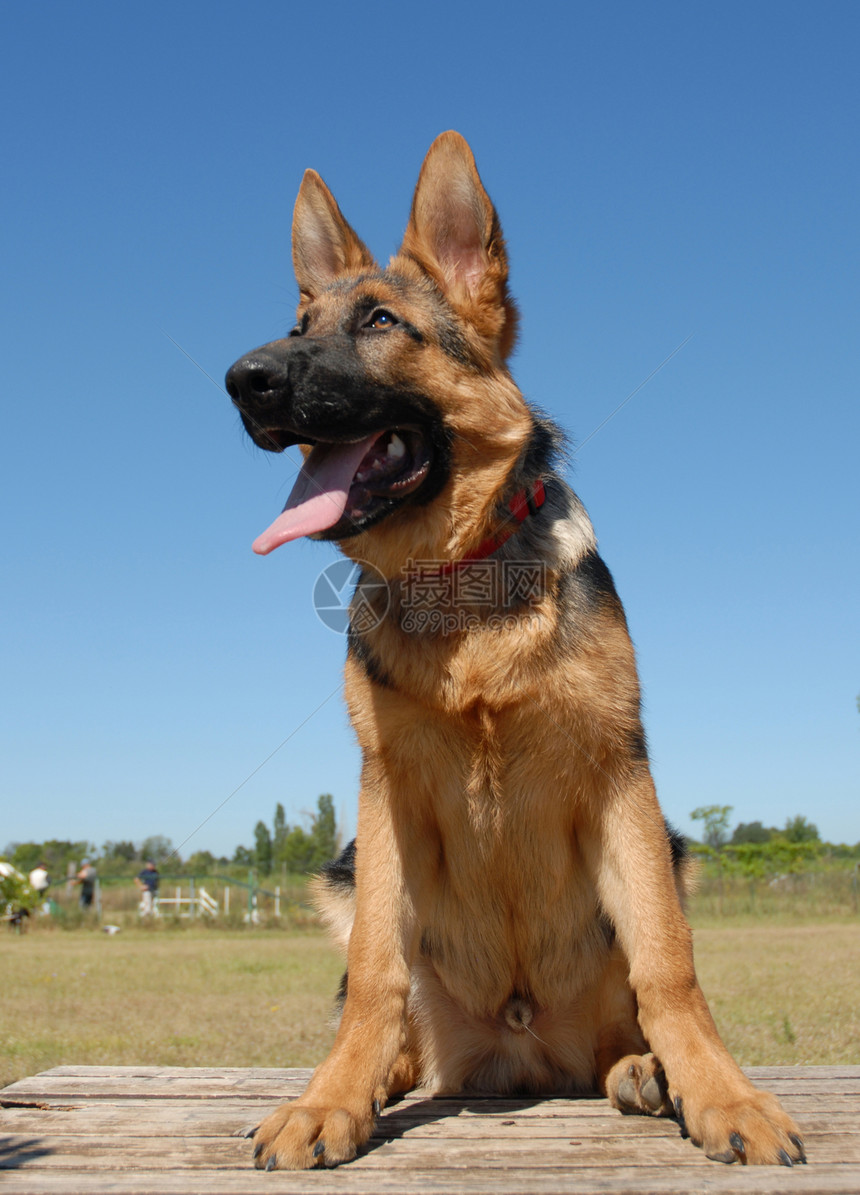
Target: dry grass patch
784,994
183,998
193,997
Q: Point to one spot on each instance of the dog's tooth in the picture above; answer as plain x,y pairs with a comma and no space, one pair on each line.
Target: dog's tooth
396,447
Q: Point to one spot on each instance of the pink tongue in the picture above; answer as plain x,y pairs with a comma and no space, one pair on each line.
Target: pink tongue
318,498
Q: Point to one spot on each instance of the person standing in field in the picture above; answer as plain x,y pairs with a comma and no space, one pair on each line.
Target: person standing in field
86,877
147,882
39,881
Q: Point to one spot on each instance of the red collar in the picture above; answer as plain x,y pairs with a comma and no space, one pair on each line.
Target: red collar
524,503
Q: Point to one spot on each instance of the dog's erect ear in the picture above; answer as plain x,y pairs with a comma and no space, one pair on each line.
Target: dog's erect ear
455,236
324,245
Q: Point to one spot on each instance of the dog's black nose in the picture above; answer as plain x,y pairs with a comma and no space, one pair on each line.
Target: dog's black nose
251,381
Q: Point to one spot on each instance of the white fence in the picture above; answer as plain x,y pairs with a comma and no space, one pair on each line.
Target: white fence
196,903
200,902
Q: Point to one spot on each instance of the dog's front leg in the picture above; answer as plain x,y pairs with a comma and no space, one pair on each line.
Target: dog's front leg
723,1112
335,1115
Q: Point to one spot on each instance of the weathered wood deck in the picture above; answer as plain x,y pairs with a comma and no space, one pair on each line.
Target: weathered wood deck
169,1131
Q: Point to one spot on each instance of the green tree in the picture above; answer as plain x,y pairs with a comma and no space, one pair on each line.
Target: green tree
158,849
324,831
200,863
25,855
262,848
303,850
56,853
243,857
750,832
716,819
279,833
799,829
125,851
16,895
298,851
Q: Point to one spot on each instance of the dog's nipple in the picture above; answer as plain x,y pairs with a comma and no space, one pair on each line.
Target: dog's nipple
518,1015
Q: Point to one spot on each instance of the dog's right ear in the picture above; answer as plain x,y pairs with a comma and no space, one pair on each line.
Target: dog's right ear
324,245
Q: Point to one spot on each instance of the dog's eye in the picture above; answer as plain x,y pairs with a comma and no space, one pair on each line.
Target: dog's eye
381,319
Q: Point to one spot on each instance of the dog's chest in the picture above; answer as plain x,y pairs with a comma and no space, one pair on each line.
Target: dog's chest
512,907
504,900
518,917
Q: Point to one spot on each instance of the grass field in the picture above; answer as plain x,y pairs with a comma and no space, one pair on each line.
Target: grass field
781,994
182,997
784,994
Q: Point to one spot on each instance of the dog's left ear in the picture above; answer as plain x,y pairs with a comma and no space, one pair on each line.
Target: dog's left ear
454,235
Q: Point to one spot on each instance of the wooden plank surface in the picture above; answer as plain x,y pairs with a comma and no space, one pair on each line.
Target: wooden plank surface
167,1130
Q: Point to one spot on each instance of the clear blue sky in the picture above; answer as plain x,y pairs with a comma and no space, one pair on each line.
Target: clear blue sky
662,171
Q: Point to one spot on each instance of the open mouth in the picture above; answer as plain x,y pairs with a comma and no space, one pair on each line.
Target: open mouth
343,486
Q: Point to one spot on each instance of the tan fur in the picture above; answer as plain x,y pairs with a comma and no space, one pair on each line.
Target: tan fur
516,923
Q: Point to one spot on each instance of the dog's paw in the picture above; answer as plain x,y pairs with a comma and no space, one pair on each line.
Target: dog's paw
637,1084
753,1129
298,1136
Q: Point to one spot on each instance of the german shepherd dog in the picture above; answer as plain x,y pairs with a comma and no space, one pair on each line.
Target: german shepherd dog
511,906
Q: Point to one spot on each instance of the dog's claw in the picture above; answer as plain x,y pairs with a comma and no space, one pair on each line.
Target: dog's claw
319,1148
784,1159
678,1105
272,1162
736,1141
376,1108
258,1149
798,1145
247,1132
